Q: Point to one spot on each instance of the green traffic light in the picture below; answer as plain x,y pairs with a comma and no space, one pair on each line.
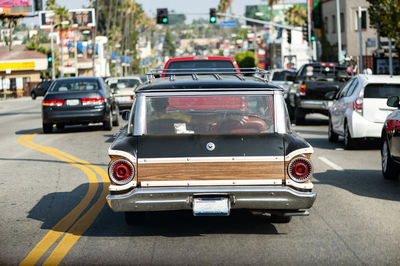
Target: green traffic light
50,59
213,19
312,38
165,20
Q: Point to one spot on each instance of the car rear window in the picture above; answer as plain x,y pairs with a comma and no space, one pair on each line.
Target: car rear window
283,75
200,64
224,114
75,85
323,72
124,83
381,90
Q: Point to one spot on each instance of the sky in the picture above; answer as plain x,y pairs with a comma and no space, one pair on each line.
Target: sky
191,8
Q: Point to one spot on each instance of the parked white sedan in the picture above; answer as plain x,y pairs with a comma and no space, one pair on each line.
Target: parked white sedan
359,109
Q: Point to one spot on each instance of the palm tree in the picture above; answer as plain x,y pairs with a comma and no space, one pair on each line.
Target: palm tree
12,23
224,5
271,3
60,15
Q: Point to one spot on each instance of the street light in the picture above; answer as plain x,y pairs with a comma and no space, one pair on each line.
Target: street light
52,26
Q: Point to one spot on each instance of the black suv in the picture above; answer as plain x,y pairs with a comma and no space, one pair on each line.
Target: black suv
40,89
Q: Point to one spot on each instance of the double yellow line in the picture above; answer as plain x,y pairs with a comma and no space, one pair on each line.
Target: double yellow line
74,224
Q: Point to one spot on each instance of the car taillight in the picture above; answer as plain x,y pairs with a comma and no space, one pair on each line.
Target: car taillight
121,171
300,169
303,89
53,102
92,101
358,105
132,97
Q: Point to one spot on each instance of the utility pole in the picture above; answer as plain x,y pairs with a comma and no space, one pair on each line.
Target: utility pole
360,37
339,31
53,71
390,57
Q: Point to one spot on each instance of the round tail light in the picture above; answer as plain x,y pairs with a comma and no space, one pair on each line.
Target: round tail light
300,169
121,171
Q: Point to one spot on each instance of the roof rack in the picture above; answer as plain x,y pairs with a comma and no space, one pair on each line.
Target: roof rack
215,72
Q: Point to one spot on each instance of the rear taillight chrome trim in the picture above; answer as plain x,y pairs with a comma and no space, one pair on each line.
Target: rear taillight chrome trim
300,162
127,171
54,102
358,105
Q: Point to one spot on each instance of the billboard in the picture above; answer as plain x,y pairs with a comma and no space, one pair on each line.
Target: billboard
83,17
15,7
46,19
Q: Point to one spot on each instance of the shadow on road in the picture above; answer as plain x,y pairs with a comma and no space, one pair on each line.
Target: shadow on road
54,206
365,183
66,129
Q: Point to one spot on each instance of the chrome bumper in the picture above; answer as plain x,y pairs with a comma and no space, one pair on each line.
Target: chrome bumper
180,198
315,104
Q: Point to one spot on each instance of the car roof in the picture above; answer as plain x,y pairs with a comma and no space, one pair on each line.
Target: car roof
206,83
190,58
78,78
379,78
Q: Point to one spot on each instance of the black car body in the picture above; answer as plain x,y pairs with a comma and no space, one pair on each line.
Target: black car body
224,143
40,89
312,82
72,101
390,151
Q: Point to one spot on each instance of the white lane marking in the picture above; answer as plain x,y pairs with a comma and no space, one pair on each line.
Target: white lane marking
331,164
339,149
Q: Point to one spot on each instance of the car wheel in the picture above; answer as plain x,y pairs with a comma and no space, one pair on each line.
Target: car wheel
389,169
280,219
348,140
135,218
33,95
107,125
299,116
332,136
47,128
116,117
60,126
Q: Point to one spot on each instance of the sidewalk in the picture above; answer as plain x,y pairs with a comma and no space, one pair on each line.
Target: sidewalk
18,99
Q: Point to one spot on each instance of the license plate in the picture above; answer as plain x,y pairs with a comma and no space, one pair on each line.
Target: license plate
213,206
72,102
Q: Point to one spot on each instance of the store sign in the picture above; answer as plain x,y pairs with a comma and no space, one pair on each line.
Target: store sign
68,36
46,19
17,66
15,7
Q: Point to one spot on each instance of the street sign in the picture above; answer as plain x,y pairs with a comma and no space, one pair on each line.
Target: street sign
231,23
371,42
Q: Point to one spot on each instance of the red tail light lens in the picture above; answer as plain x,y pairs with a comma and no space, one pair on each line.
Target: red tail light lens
92,101
358,105
303,89
121,172
300,169
53,102
132,97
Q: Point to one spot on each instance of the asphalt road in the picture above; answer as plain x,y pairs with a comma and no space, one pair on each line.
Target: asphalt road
45,178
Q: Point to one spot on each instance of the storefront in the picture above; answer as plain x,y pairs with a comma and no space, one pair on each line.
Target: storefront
19,70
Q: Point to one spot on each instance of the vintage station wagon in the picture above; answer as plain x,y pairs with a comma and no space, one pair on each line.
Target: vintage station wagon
210,143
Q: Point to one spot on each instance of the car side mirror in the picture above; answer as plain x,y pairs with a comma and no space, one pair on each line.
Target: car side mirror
393,101
125,115
331,95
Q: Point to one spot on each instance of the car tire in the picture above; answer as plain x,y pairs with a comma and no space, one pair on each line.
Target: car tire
115,122
135,218
332,136
47,128
299,116
60,126
348,140
107,125
389,168
33,95
280,219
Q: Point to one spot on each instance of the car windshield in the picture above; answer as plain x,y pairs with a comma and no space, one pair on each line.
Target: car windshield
200,64
381,90
223,114
75,85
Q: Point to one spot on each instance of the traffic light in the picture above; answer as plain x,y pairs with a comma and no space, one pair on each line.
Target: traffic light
213,15
305,31
312,35
162,16
38,5
49,60
289,36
